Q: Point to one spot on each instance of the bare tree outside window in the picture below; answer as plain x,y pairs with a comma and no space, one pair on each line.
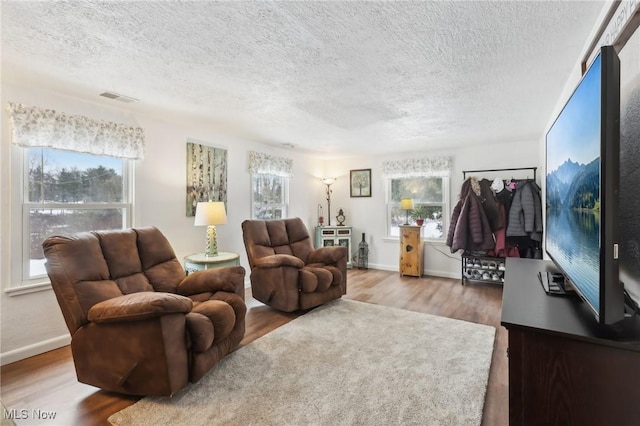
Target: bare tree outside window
69,192
269,196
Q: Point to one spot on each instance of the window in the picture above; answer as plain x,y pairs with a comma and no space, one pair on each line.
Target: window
428,192
269,185
270,196
67,192
70,174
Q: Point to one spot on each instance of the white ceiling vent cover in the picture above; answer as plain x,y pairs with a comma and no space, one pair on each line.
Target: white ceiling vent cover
118,97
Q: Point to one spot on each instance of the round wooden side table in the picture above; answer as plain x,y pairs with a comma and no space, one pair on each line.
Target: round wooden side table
200,261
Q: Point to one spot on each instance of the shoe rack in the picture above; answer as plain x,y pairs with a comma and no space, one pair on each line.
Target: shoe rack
483,268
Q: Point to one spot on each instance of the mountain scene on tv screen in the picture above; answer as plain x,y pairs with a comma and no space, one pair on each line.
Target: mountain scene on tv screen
575,186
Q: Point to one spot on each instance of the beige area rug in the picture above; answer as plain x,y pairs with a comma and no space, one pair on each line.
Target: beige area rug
345,363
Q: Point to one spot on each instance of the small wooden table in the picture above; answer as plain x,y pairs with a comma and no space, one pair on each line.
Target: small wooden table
200,261
411,258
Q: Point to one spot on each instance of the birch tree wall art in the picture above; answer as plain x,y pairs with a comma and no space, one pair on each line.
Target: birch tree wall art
206,175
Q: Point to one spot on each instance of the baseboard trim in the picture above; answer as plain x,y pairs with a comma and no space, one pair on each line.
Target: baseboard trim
431,272
34,349
443,274
393,268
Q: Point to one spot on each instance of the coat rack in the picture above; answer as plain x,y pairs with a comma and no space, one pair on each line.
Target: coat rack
483,268
464,173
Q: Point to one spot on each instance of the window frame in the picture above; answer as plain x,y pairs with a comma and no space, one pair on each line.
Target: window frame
285,194
446,180
21,281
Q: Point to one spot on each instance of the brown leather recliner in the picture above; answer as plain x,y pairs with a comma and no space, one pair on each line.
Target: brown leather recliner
138,325
287,273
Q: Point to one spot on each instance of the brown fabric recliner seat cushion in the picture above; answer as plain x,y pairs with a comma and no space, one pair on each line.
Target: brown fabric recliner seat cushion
315,279
220,314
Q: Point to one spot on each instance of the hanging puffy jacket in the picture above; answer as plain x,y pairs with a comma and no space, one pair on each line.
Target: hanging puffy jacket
469,227
525,214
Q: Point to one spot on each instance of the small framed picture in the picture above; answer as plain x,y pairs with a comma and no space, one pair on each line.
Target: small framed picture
360,183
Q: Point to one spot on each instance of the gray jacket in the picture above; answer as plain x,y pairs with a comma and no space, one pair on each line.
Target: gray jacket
525,214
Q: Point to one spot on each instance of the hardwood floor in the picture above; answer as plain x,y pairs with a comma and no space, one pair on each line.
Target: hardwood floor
47,382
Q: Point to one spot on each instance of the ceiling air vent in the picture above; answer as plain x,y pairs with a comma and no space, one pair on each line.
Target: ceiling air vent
117,97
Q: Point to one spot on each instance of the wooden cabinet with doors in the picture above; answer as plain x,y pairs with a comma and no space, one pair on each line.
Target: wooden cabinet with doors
329,236
411,257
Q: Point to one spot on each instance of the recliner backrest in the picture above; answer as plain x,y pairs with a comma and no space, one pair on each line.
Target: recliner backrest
90,267
141,259
120,251
268,237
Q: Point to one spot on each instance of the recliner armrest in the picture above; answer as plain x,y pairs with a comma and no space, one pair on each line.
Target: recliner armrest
229,278
328,255
138,306
278,260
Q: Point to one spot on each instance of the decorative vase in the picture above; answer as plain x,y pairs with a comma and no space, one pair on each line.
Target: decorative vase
363,254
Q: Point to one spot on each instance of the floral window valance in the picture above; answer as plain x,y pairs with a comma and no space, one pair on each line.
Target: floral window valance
414,167
270,164
45,128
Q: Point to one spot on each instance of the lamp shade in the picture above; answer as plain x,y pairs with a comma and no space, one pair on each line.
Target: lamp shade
210,213
328,181
406,204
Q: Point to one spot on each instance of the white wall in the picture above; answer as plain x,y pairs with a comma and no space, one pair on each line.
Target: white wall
368,215
32,323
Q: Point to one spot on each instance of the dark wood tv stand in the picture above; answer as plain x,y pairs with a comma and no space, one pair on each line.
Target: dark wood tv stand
565,369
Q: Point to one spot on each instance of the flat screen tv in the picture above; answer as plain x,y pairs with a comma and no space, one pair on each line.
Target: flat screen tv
582,186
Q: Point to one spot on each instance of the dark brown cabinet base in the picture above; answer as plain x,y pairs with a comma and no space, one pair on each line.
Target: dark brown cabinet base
564,369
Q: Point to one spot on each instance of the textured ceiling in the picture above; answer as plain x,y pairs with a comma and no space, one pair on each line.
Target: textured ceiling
334,77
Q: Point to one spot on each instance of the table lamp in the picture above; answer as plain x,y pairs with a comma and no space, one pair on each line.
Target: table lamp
406,204
210,214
